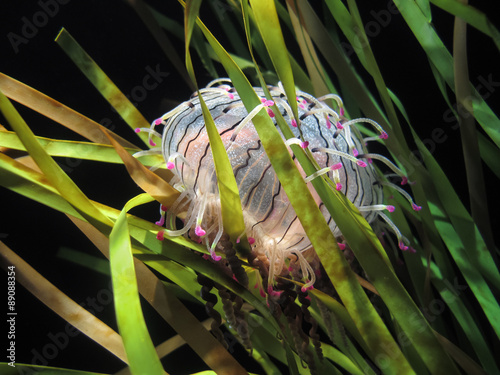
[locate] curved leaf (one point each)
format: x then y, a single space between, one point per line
138 345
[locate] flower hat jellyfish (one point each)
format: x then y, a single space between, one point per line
280 246
274 231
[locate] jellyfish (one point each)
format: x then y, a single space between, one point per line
275 234
279 244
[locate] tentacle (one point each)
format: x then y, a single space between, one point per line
403 193
387 162
211 300
403 242
342 154
250 116
305 301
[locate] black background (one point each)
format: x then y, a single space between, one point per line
112 33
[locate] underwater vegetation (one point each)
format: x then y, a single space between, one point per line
279 187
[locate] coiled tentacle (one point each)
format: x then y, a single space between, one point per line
211 300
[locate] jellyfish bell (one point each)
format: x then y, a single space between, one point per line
278 239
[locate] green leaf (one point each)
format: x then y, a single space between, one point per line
232 215
61 304
56 111
440 57
102 83
66 187
78 150
490 154
147 180
469 251
468 133
268 23
163 300
472 16
138 345
464 315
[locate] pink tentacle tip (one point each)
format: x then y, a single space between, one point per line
355 152
308 298
341 111
338 186
336 166
402 246
137 130
161 221
383 135
342 246
270 113
304 144
404 180
238 240
294 123
231 96
163 208
151 143
251 240
304 289
267 103
273 292
390 208
170 165
160 235
206 256
361 163
262 293
290 268
215 256
328 125
416 207
158 121
339 125
200 232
